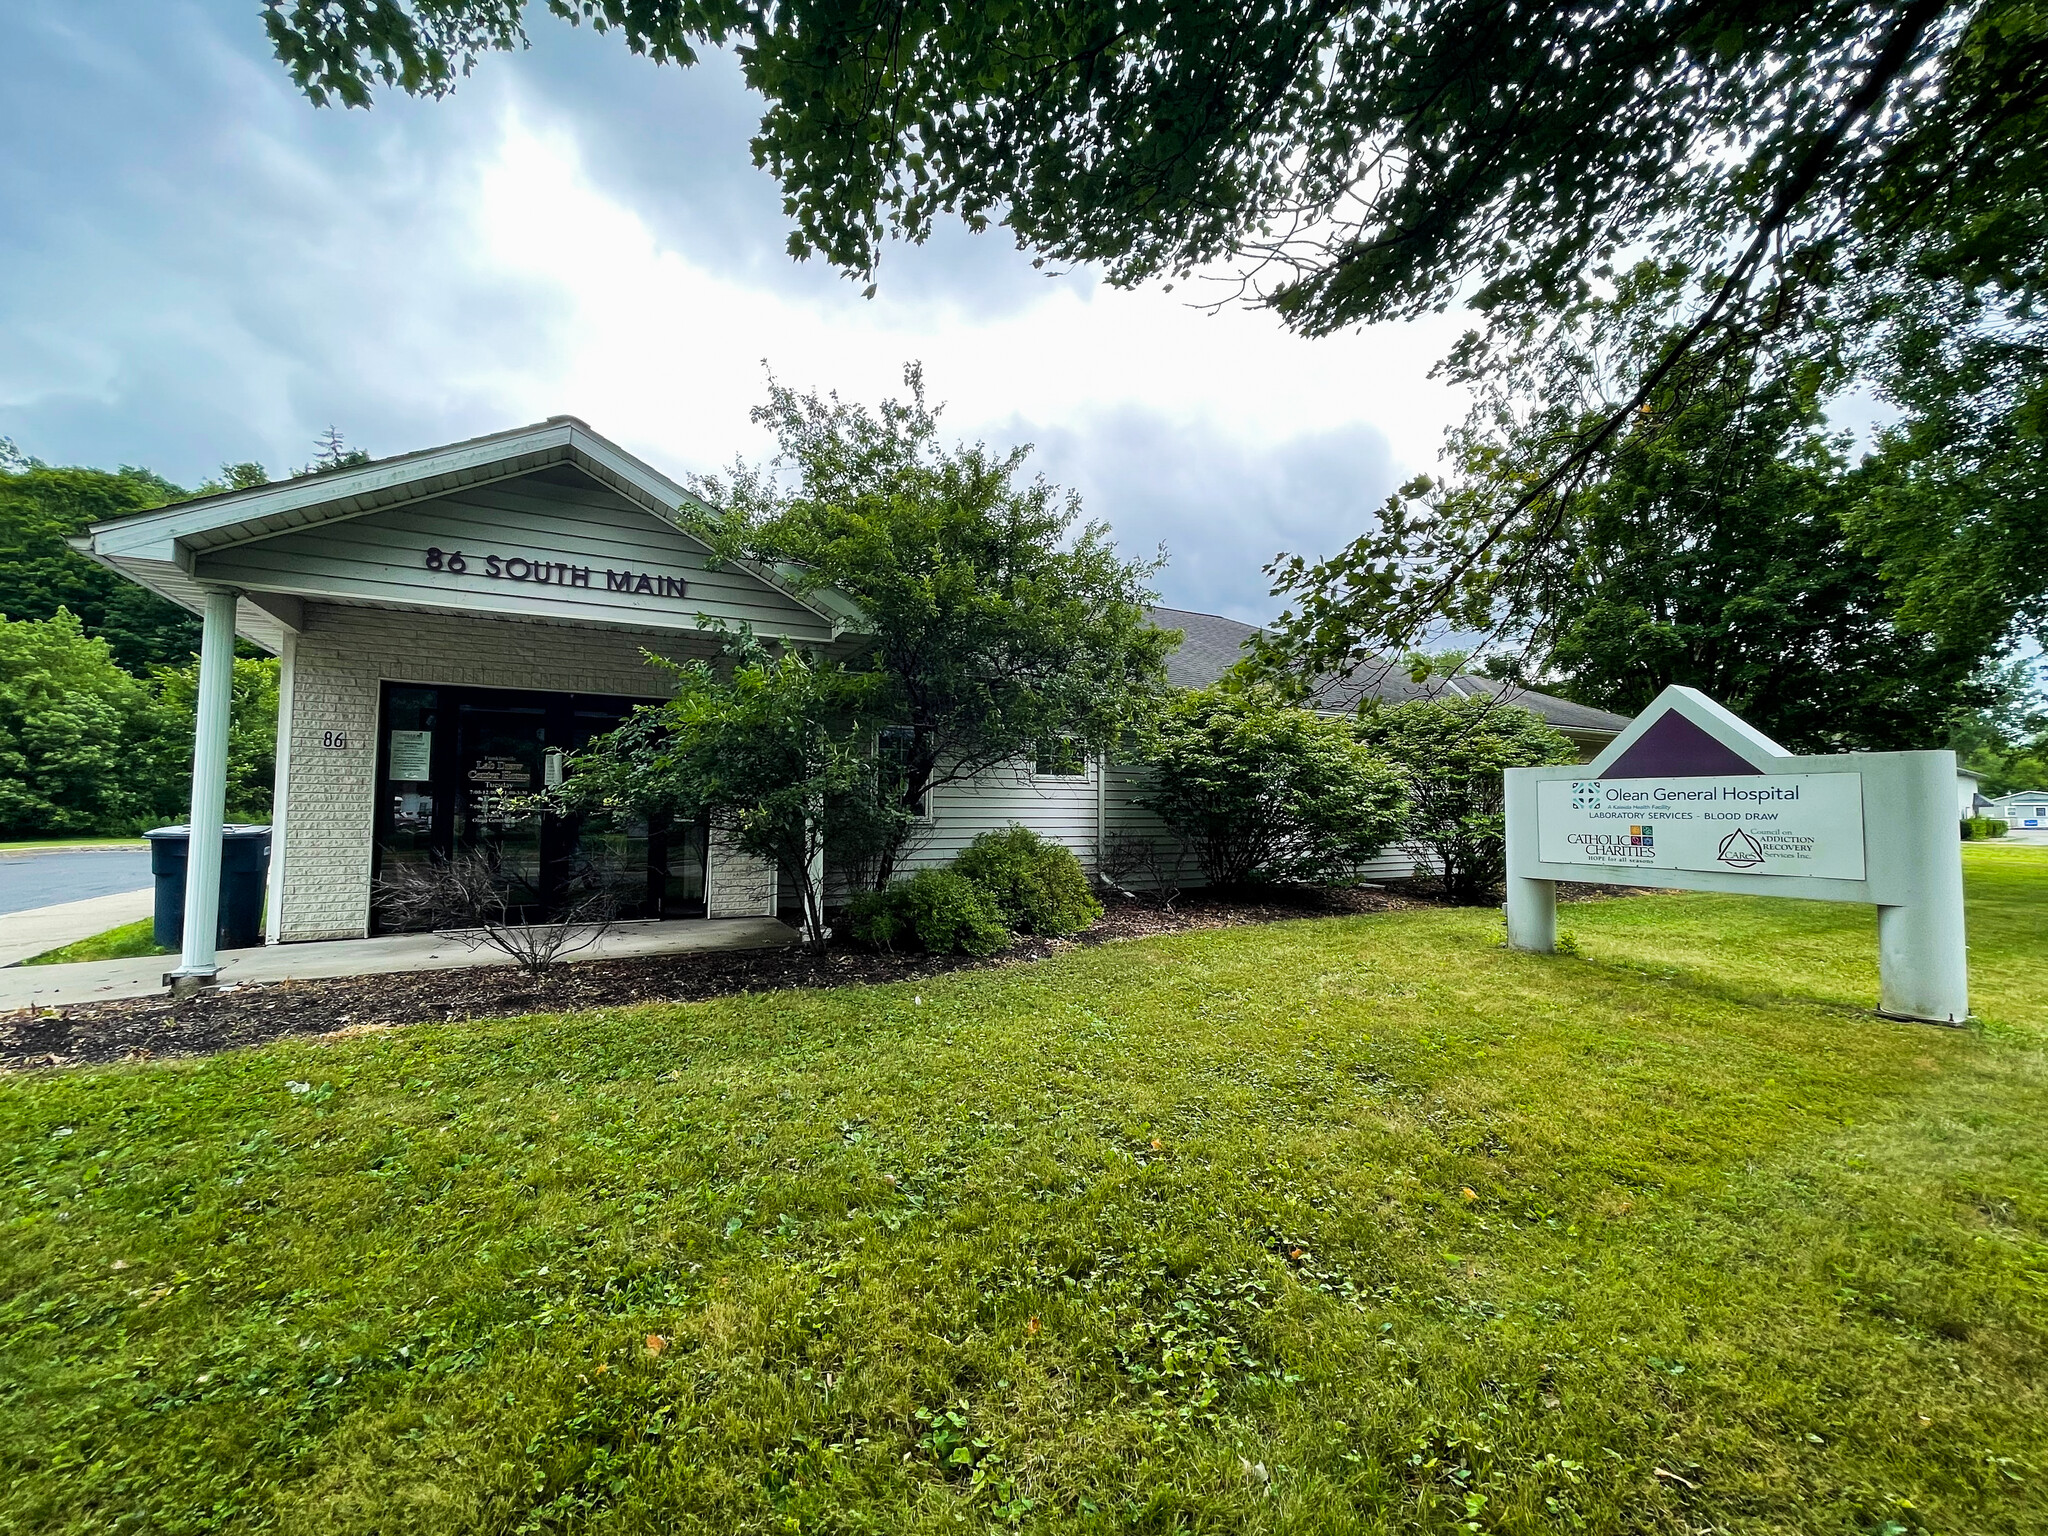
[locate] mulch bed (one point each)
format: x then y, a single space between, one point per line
142 1028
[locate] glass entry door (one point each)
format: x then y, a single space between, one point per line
452 763
500 754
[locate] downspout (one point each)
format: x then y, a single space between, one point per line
1101 808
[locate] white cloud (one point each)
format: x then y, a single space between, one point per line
198 266
1214 432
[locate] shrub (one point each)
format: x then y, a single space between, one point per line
1038 886
936 910
1260 790
1127 857
1983 826
1452 752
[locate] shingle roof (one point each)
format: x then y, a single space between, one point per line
1211 645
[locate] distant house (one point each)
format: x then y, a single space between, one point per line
1970 800
2022 808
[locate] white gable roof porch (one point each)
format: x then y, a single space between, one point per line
554 499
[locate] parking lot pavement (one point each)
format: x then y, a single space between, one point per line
69 874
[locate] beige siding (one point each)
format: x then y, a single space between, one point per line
561 516
1061 809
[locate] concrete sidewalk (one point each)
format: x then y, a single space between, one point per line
50 986
24 935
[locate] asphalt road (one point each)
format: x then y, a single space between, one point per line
69 874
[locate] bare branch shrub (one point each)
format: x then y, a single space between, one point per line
1127 859
473 899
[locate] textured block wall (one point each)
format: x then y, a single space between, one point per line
341 657
736 884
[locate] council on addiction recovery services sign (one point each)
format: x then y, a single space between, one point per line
1807 824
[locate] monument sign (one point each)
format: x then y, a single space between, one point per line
1690 796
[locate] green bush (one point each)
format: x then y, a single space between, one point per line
1452 752
1260 790
1038 886
936 910
1983 826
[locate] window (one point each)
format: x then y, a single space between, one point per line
1060 757
893 746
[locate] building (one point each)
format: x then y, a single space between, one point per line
454 623
1970 799
2023 808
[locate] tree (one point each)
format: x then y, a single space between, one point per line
245 476
1713 548
1263 791
1957 511
86 747
330 452
1350 163
252 737
773 746
997 622
40 508
2006 740
1451 753
69 718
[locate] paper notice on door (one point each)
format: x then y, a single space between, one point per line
412 753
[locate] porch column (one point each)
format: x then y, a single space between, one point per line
198 963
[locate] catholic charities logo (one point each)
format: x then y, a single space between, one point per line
1585 794
1638 841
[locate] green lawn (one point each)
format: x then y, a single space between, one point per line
130 941
1343 1225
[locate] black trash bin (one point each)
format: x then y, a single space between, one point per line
244 867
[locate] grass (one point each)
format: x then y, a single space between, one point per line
1333 1226
130 941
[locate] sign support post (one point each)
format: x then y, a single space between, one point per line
1923 963
1531 900
1689 796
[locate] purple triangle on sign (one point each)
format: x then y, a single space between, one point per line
1675 748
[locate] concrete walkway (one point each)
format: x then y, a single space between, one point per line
48 986
24 935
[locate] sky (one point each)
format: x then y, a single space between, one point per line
197 266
